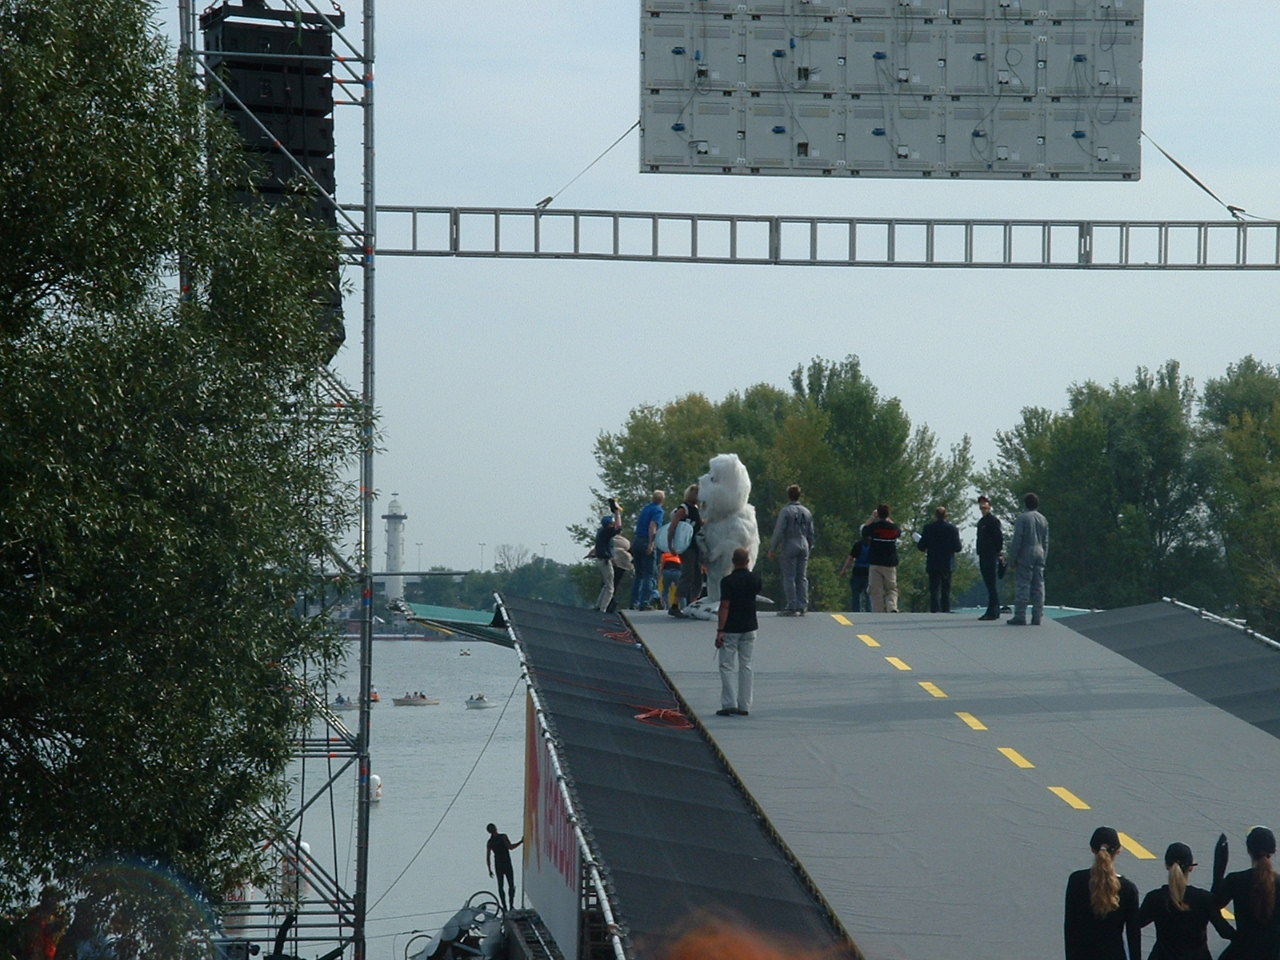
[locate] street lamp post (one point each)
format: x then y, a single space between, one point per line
482 556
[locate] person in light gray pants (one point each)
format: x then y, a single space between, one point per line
793 538
1027 554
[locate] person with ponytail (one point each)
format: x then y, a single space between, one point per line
1181 912
1101 916
1252 894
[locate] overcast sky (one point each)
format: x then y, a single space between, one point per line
494 378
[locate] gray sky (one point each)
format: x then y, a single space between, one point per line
495 377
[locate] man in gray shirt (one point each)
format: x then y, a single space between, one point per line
1027 553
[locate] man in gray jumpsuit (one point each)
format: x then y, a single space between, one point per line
793 537
1027 553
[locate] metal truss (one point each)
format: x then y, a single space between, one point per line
538 233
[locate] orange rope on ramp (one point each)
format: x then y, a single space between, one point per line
666 717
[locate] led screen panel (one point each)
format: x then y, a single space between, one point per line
974 89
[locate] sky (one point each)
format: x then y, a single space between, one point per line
494 378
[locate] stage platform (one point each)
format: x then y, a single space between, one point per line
937 777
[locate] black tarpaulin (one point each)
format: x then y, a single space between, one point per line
1227 667
673 830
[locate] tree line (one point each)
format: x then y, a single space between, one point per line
1152 487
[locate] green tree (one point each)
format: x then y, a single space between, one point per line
1241 416
1122 479
168 477
832 433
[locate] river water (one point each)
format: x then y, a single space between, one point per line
446 772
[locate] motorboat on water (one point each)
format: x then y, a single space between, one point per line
478 701
344 703
415 700
474 931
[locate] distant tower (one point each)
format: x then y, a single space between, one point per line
395 517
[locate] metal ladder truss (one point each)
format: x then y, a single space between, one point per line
534 233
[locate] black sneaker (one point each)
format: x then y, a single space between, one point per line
675 612
740 713
726 712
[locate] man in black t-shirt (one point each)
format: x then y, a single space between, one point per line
882 534
498 853
736 635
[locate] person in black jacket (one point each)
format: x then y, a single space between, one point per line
1101 915
990 547
1181 912
940 541
1252 894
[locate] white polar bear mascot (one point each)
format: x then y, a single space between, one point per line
728 522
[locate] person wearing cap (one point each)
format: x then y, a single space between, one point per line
1181 912
602 552
1101 915
990 547
1252 894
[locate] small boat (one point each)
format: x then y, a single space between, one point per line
479 701
342 703
415 700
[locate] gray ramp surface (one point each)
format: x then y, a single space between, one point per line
939 777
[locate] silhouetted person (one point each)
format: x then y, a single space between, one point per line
498 854
990 548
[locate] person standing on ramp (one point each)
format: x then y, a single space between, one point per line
498 853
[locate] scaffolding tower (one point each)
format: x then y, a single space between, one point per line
298 56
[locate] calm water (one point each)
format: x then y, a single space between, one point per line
446 772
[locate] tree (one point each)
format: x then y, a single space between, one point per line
168 479
848 448
1122 479
1241 418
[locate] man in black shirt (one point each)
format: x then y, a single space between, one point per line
736 635
498 853
990 548
882 534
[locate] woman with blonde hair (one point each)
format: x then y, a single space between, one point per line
1101 915
1252 894
1181 912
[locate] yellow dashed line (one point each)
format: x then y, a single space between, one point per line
1134 847
1070 798
841 619
972 721
898 663
933 689
1016 758
869 641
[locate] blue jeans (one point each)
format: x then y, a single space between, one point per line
644 588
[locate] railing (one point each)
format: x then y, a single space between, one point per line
534 233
